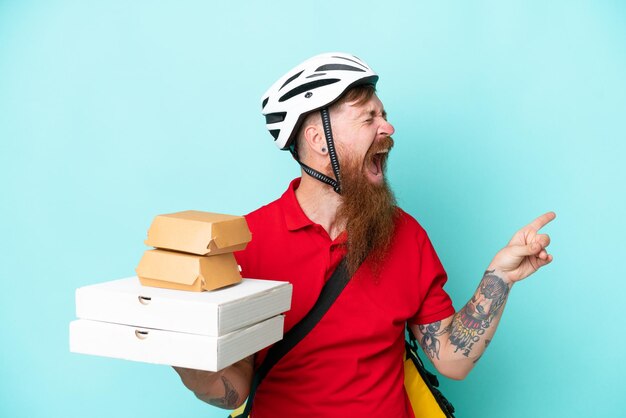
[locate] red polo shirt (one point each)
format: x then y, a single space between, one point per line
350 364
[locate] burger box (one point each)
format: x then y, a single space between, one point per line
205 331
181 271
201 233
213 313
201 352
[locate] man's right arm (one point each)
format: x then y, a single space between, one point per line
226 389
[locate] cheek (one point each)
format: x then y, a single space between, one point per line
353 158
355 148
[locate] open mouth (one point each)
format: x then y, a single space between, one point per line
377 161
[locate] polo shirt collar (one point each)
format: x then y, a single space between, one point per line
294 215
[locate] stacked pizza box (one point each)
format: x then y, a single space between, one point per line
188 305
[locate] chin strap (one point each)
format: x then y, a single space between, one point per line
334 162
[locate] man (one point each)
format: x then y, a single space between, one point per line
326 112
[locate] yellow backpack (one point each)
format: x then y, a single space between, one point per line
421 385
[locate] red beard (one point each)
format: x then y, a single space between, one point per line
368 210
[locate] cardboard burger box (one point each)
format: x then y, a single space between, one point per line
174 270
201 330
200 233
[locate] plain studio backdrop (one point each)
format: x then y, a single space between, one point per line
112 112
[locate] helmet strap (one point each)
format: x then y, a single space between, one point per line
334 162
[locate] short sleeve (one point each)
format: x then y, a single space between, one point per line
436 303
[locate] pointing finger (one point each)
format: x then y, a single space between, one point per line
541 221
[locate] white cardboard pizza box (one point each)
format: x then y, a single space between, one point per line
212 313
180 349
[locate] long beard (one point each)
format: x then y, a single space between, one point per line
368 210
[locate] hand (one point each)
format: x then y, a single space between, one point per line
198 381
525 253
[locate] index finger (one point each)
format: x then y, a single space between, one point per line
541 221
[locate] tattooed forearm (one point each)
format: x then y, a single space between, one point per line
230 398
469 324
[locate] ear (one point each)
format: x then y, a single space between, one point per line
315 139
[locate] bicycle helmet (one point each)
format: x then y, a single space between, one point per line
316 83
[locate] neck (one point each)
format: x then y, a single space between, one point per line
320 203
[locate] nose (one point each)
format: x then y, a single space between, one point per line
386 128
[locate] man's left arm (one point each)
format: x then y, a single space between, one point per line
455 344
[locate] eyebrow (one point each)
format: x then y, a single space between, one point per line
373 113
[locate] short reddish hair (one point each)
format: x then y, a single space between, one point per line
358 94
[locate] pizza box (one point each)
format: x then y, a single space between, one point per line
171 348
213 313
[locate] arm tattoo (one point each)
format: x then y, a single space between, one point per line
429 342
229 400
486 345
471 322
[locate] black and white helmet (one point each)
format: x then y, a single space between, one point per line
312 85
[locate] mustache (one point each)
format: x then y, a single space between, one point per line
378 146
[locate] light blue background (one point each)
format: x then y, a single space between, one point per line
114 111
